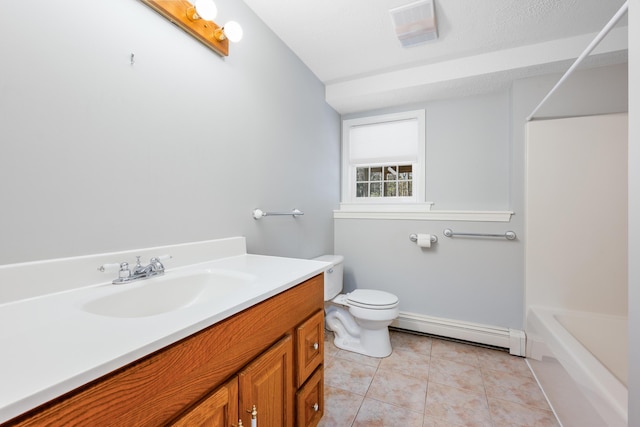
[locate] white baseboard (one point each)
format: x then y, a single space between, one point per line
513 339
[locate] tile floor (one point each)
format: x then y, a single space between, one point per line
428 382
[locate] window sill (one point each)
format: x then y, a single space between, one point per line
420 212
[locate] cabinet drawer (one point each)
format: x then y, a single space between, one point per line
309 346
310 401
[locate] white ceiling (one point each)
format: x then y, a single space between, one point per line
483 45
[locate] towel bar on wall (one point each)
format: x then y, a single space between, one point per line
509 235
259 213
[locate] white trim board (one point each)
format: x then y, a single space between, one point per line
478 216
513 339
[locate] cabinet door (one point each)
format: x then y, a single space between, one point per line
310 401
309 346
219 409
267 383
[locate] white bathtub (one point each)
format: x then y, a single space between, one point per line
580 360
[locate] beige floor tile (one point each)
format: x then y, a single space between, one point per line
348 375
502 361
514 388
398 389
452 384
435 422
407 362
329 347
416 343
374 413
456 374
457 407
340 407
455 351
328 359
509 414
359 358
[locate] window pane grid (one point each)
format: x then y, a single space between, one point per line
384 181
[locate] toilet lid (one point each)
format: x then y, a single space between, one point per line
370 298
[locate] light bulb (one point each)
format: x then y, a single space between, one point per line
233 31
206 9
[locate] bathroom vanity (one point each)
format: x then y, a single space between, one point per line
225 359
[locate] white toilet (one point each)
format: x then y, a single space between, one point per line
364 327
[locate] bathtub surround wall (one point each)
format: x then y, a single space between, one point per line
634 210
100 154
475 161
576 185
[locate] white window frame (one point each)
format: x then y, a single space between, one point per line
387 204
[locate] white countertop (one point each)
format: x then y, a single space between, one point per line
50 345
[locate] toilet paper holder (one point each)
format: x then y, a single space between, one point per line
414 238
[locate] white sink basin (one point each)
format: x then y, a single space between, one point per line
169 292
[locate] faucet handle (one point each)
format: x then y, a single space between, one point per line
157 260
157 264
109 267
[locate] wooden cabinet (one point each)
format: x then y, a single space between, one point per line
219 409
191 382
267 383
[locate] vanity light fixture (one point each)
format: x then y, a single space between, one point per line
202 9
196 18
231 30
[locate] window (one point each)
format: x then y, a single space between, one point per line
383 159
384 181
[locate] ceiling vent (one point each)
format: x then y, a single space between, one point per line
415 23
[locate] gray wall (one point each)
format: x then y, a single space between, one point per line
475 161
101 155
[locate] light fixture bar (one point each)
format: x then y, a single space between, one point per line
202 30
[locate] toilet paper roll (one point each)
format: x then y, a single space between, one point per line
424 240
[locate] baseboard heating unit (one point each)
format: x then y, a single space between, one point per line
512 339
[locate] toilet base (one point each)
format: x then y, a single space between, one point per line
350 336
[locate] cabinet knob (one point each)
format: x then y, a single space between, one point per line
238 425
315 346
316 407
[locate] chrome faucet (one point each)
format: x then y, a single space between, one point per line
125 275
154 268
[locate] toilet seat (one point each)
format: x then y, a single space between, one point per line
371 299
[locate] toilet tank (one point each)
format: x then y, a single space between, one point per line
332 275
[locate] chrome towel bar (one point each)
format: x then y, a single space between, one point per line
509 235
259 213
